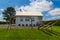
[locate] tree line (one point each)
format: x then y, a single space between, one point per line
56 24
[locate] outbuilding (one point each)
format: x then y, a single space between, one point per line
27 19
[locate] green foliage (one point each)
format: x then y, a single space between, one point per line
8 13
3 22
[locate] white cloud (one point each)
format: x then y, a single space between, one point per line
54 12
1 9
53 18
40 6
37 6
1 16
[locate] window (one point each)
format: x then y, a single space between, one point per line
21 19
26 24
27 19
34 25
19 25
30 24
37 24
33 19
22 24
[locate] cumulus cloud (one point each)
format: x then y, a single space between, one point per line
41 6
37 6
1 9
54 12
53 18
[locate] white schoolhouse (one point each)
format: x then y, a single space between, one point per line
27 19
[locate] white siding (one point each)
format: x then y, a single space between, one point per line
26 22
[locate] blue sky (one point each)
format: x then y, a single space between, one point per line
51 12
13 3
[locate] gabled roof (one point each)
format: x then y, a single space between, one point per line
28 13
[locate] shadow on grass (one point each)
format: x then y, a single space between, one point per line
50 32
44 31
53 32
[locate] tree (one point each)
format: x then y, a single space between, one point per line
9 14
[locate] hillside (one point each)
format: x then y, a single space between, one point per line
52 21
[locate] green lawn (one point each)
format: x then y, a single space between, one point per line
30 34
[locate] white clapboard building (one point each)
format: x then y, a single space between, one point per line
26 19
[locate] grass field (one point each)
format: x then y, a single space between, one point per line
30 34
